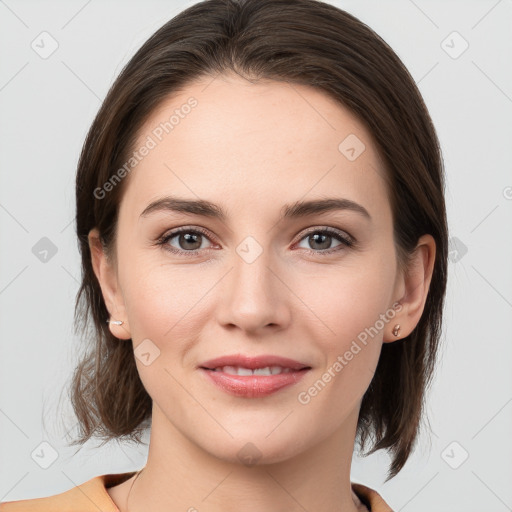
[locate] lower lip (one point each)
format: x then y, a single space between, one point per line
254 386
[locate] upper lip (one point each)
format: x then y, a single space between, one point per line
262 361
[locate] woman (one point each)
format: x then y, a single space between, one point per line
289 146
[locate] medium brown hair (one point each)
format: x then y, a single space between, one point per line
300 42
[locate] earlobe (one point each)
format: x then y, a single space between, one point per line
416 283
107 279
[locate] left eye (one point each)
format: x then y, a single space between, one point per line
323 238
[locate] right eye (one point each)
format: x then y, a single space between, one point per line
188 241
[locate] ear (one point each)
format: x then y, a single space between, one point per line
413 286
107 277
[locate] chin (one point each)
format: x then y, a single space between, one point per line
256 450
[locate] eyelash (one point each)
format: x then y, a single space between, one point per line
348 242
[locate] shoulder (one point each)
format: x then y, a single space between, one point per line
90 496
371 498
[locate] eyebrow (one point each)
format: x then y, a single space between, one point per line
298 209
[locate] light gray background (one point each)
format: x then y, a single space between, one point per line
47 106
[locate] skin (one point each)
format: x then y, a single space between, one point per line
251 148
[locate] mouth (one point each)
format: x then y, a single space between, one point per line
244 372
252 377
268 363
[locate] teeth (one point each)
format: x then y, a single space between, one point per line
269 370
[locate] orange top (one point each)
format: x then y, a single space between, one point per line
92 496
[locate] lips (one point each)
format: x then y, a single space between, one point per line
253 377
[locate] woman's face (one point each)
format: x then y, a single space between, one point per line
256 282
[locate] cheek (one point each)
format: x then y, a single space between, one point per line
351 355
166 304
159 297
349 301
163 306
351 312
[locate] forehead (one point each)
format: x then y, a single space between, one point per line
236 143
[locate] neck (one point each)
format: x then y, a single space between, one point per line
179 476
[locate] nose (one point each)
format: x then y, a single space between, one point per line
253 296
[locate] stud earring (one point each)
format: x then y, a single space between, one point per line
115 322
396 330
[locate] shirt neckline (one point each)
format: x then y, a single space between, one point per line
113 479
